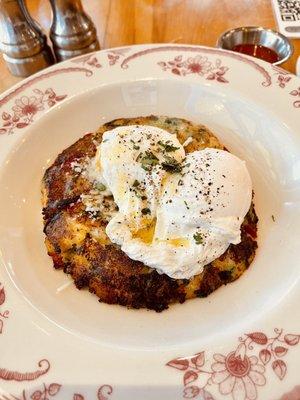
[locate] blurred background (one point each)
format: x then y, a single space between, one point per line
124 22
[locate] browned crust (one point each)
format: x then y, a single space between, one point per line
102 266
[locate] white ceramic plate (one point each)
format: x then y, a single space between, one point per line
240 343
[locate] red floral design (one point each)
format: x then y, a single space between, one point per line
296 93
78 396
283 76
104 392
3 314
25 108
282 80
89 59
17 376
114 55
47 392
240 372
203 50
40 77
199 65
112 58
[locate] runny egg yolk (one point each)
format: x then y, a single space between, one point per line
178 242
146 234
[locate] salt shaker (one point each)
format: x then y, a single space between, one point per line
22 42
72 31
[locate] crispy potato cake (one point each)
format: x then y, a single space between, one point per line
77 242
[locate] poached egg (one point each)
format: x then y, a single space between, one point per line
176 212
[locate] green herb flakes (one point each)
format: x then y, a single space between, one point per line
171 165
149 160
100 187
167 147
198 238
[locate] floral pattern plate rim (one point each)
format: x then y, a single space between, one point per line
255 359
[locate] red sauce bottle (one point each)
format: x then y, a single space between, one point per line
258 51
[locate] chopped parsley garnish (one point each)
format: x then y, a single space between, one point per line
171 165
136 183
149 160
167 147
146 211
198 238
100 187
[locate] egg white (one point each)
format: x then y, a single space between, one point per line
175 222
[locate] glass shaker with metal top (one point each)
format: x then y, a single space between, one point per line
72 31
22 42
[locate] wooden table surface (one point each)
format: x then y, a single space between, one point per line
123 22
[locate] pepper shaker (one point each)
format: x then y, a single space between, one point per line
72 31
22 42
